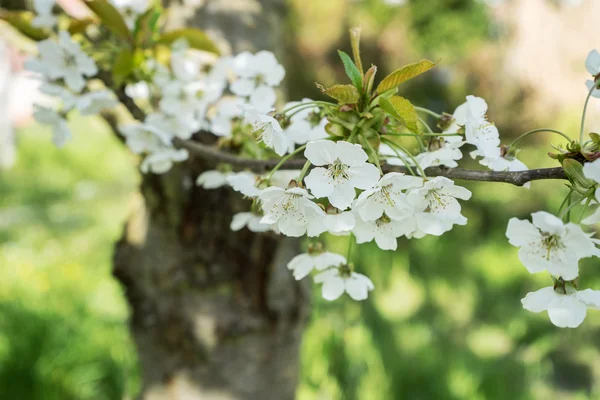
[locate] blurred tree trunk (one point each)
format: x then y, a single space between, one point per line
215 313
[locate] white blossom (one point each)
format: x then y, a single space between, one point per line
565 310
181 126
292 210
302 128
591 170
245 182
439 196
161 161
225 111
445 155
250 220
141 138
336 281
384 230
592 64
257 75
388 197
270 131
478 131
303 264
212 179
61 133
63 59
548 244
44 17
346 168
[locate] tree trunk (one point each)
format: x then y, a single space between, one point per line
215 313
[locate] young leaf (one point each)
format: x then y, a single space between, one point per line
21 21
344 94
355 41
124 65
110 17
403 74
196 38
79 25
146 26
351 70
403 110
369 79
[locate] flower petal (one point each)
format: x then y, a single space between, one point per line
567 311
538 301
321 152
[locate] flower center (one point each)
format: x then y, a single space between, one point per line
437 201
345 271
338 170
70 60
383 220
551 242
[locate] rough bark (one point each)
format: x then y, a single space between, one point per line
215 313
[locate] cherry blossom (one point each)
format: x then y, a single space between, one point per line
61 133
336 281
592 64
478 131
161 161
550 245
244 182
387 196
439 196
384 230
292 210
346 169
44 17
567 309
303 264
63 59
212 179
270 132
250 220
141 138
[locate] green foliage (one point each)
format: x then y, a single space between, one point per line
403 110
21 21
110 17
196 38
344 94
351 70
63 332
404 74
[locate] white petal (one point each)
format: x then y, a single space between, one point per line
328 259
567 311
321 152
591 170
591 298
211 179
342 222
240 220
358 286
592 62
319 182
538 301
351 154
364 176
548 223
333 288
592 219
521 232
243 87
302 265
342 195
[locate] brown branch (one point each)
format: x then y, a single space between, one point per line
213 154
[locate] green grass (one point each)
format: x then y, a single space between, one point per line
63 332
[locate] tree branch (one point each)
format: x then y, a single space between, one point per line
213 154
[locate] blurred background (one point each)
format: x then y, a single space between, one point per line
445 320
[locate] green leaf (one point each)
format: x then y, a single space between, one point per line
79 25
355 42
403 110
351 70
21 21
403 74
123 66
574 171
196 38
344 94
369 79
110 17
146 26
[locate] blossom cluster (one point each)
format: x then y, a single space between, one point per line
342 190
546 243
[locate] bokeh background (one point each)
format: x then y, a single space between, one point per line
445 320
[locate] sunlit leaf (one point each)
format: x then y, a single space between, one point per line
123 66
21 21
196 38
345 94
110 17
404 74
146 26
79 25
403 110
